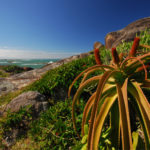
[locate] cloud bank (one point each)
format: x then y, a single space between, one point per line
26 54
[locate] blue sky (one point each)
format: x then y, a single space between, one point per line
60 28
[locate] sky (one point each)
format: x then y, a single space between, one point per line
62 28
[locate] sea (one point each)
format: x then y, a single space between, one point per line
33 63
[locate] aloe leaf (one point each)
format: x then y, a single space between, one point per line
84 147
99 90
135 139
87 108
146 139
145 84
145 46
145 58
86 129
107 90
98 67
77 95
89 73
115 125
100 120
143 104
112 90
84 139
131 69
124 116
143 101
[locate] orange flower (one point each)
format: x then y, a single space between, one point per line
134 46
97 56
115 56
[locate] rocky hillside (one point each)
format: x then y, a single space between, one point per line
126 34
20 80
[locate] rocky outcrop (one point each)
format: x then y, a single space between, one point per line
127 34
37 103
34 99
20 80
97 45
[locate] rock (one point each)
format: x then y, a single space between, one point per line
38 104
97 45
6 86
36 100
126 34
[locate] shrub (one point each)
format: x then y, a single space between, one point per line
54 128
13 69
61 77
14 120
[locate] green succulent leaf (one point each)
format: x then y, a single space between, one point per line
86 129
97 129
143 110
135 139
124 116
77 95
84 147
84 139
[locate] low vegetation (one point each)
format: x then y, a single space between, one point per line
8 70
54 128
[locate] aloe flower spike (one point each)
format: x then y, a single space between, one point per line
97 56
134 46
115 56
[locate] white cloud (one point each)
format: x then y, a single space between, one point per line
26 54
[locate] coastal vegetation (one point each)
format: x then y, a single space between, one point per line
53 129
8 70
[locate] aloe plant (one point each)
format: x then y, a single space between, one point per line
111 97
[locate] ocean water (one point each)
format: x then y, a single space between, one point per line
34 63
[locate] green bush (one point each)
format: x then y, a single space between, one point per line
54 128
61 77
13 69
14 120
3 74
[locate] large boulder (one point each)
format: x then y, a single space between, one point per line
34 99
127 34
37 102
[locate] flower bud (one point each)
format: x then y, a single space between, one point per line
97 57
134 46
115 56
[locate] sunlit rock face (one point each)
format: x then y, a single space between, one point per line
34 99
127 34
98 45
